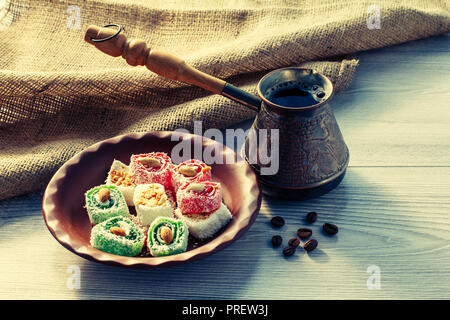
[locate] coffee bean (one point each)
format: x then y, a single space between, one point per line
277 241
310 245
304 233
277 222
311 217
294 242
289 251
330 228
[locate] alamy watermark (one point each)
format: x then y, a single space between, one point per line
262 146
374 20
74 280
374 280
6 14
74 18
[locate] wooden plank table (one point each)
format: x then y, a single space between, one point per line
393 211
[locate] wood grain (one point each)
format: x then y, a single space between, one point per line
395 218
392 209
396 112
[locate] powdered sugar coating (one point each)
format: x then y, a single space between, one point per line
130 244
151 201
178 244
203 173
118 175
199 202
143 174
204 227
100 211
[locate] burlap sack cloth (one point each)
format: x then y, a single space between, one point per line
59 95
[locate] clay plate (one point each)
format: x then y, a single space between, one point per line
67 219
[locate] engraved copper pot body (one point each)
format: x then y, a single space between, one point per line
312 154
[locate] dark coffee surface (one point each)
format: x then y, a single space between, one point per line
294 94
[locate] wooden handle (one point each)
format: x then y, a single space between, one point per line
137 53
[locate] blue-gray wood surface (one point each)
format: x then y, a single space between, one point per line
393 211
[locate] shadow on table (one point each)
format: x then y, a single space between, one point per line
331 207
328 206
223 275
24 212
